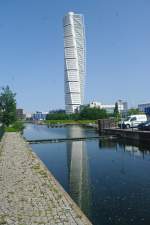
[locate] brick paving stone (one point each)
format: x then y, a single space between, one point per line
29 194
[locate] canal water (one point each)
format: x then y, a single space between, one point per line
108 179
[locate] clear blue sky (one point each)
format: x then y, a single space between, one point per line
118 50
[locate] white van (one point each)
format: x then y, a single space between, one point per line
133 121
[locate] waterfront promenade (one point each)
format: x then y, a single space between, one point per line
29 194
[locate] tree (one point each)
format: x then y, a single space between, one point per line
7 106
116 113
134 111
57 116
88 113
116 110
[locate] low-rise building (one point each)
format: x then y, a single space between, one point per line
145 107
20 115
39 115
122 106
28 115
109 108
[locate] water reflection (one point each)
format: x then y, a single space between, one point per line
108 178
78 171
135 148
123 184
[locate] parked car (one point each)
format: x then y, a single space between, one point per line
144 126
133 121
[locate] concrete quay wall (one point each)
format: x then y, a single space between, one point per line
29 193
128 134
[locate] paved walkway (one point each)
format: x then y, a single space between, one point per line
29 194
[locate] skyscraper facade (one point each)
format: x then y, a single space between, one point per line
75 61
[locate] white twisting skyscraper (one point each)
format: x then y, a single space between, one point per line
75 60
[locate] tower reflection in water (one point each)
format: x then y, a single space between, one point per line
78 171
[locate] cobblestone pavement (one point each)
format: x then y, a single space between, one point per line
29 194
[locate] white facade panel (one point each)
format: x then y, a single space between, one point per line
66 20
72 87
71 64
68 42
68 30
73 98
70 53
71 76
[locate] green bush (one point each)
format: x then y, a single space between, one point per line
57 116
69 121
15 127
134 111
88 113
